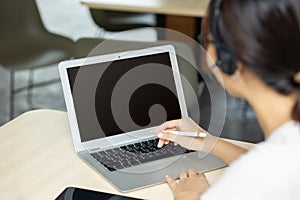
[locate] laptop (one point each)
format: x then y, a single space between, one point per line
114 101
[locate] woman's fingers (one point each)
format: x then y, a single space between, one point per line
180 124
160 143
186 142
192 172
202 175
174 124
182 174
192 184
171 182
166 136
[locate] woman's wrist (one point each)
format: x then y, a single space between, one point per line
208 143
227 151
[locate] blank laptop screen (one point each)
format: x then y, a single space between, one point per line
125 95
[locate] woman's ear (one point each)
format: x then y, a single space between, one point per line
297 77
235 83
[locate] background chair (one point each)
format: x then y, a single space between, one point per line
186 61
25 44
119 21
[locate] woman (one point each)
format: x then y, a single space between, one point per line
259 40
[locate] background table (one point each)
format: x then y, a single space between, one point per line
191 8
37 161
181 15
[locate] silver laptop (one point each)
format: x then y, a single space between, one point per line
114 101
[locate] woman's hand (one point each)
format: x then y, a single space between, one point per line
185 124
189 186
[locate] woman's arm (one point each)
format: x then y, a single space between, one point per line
227 151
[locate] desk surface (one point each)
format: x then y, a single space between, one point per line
191 8
37 161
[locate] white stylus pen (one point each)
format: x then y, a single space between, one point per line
185 133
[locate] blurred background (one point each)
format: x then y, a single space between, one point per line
73 21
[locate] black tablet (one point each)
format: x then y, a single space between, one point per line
72 193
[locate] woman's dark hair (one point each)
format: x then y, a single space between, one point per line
265 36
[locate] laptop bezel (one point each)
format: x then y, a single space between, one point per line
63 66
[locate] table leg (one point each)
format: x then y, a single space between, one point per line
161 23
197 29
197 32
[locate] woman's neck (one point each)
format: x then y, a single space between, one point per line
272 108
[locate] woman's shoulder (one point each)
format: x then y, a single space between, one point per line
287 132
282 145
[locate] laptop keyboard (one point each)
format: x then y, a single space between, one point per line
137 153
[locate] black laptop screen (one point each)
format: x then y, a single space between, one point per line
125 95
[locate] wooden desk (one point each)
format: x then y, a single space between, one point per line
189 8
37 161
